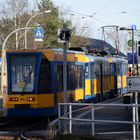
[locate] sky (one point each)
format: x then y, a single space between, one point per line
122 13
90 15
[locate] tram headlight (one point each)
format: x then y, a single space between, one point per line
13 99
31 99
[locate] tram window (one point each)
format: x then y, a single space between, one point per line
98 72
108 70
58 74
126 69
70 77
112 70
75 77
86 71
118 68
121 68
75 80
79 76
23 73
94 71
103 69
44 82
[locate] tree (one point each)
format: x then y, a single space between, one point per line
50 22
14 15
17 16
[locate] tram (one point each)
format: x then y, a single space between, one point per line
32 80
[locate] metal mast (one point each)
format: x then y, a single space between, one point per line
111 36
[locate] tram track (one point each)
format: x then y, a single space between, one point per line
24 135
23 128
6 123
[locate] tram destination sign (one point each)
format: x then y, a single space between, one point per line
133 84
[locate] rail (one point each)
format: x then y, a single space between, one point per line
69 118
52 129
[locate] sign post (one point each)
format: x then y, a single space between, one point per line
64 36
133 28
133 85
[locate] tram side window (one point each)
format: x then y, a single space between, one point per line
58 74
80 81
121 68
108 70
118 68
44 82
74 77
124 68
86 71
103 70
71 77
97 71
112 69
94 71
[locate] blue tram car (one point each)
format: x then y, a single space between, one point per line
32 80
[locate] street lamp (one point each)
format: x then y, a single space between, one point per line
132 30
135 94
45 12
19 29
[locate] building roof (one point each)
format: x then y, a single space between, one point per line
102 45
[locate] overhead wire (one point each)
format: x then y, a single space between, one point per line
121 12
100 9
84 15
74 13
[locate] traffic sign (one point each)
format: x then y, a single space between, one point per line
133 27
133 84
39 34
130 43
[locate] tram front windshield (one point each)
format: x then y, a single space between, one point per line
23 73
